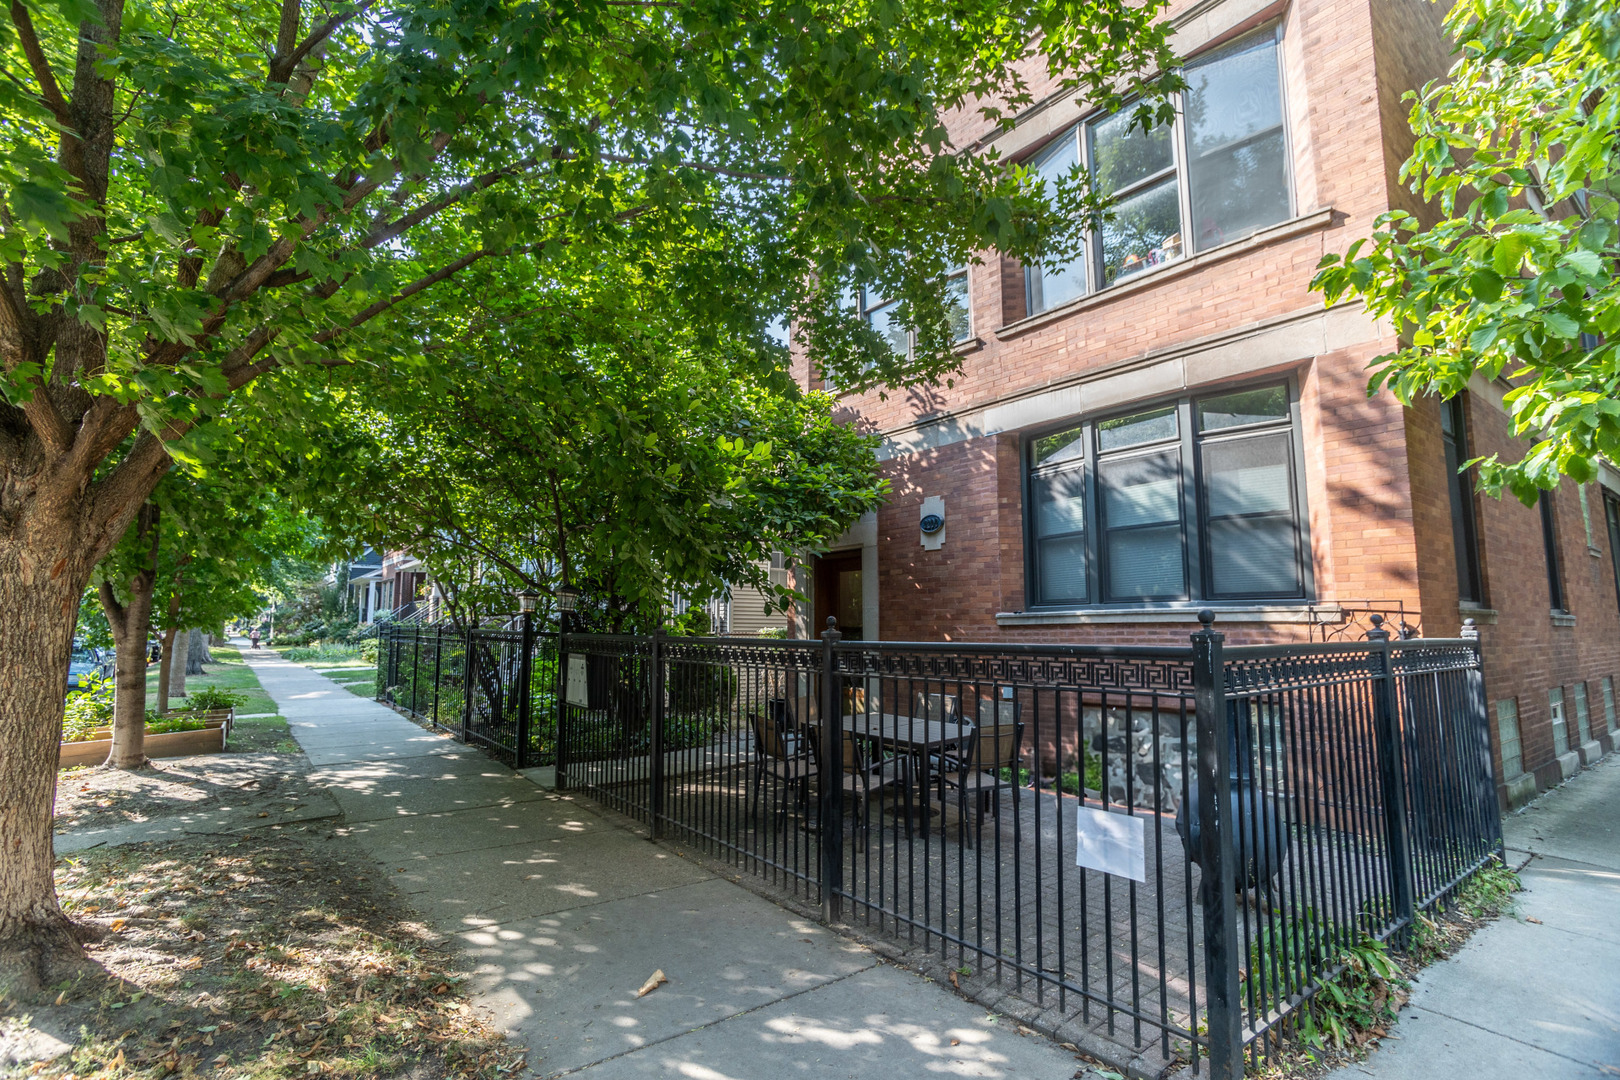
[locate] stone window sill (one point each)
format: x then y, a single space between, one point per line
1317 219
1245 613
1562 618
1480 614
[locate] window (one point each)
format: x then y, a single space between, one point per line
1549 545
1219 173
883 314
1583 716
1560 726
1608 703
1507 735
958 305
1464 535
1193 499
1611 514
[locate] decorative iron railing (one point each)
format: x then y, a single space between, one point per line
1170 847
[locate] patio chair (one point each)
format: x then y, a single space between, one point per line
945 708
991 750
778 752
865 780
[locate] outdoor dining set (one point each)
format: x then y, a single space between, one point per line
932 762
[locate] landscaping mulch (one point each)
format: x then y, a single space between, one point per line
279 954
96 796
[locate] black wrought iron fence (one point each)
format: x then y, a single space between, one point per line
492 688
1172 845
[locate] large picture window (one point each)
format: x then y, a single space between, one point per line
1196 499
1219 173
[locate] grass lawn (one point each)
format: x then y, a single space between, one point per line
255 735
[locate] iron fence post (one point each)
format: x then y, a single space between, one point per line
1479 710
561 703
525 677
416 666
468 660
656 796
1217 859
438 659
1391 775
832 770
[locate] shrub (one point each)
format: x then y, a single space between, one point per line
164 725
701 688
89 709
210 697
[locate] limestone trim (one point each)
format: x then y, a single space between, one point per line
1158 275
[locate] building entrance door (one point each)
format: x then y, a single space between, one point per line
838 593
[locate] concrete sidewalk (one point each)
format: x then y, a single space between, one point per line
563 915
1536 994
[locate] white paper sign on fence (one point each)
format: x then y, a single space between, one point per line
578 694
1112 843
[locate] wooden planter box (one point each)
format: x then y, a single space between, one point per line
208 740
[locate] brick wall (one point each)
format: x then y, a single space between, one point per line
1526 650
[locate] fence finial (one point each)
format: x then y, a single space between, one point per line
832 622
1207 617
1377 633
1470 629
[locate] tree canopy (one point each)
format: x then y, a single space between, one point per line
583 426
1518 150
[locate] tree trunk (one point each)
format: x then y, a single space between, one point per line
131 626
166 664
41 581
197 652
177 668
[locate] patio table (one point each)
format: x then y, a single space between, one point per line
910 735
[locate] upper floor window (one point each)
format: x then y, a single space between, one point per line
1193 499
1549 546
1218 174
883 314
1464 531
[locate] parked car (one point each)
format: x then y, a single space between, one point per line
84 663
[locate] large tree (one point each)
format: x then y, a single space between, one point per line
581 425
1519 152
198 193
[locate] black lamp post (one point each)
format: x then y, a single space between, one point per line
567 604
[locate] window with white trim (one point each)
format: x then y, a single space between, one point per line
883 314
1219 173
1194 499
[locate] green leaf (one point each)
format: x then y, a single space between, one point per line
1486 285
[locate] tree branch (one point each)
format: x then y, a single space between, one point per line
282 67
50 92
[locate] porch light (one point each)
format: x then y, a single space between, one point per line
527 599
567 599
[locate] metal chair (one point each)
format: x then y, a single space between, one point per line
863 779
941 708
993 749
780 755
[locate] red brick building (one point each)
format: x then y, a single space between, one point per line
1176 422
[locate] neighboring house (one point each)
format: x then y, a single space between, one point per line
1175 422
743 611
394 583
364 576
